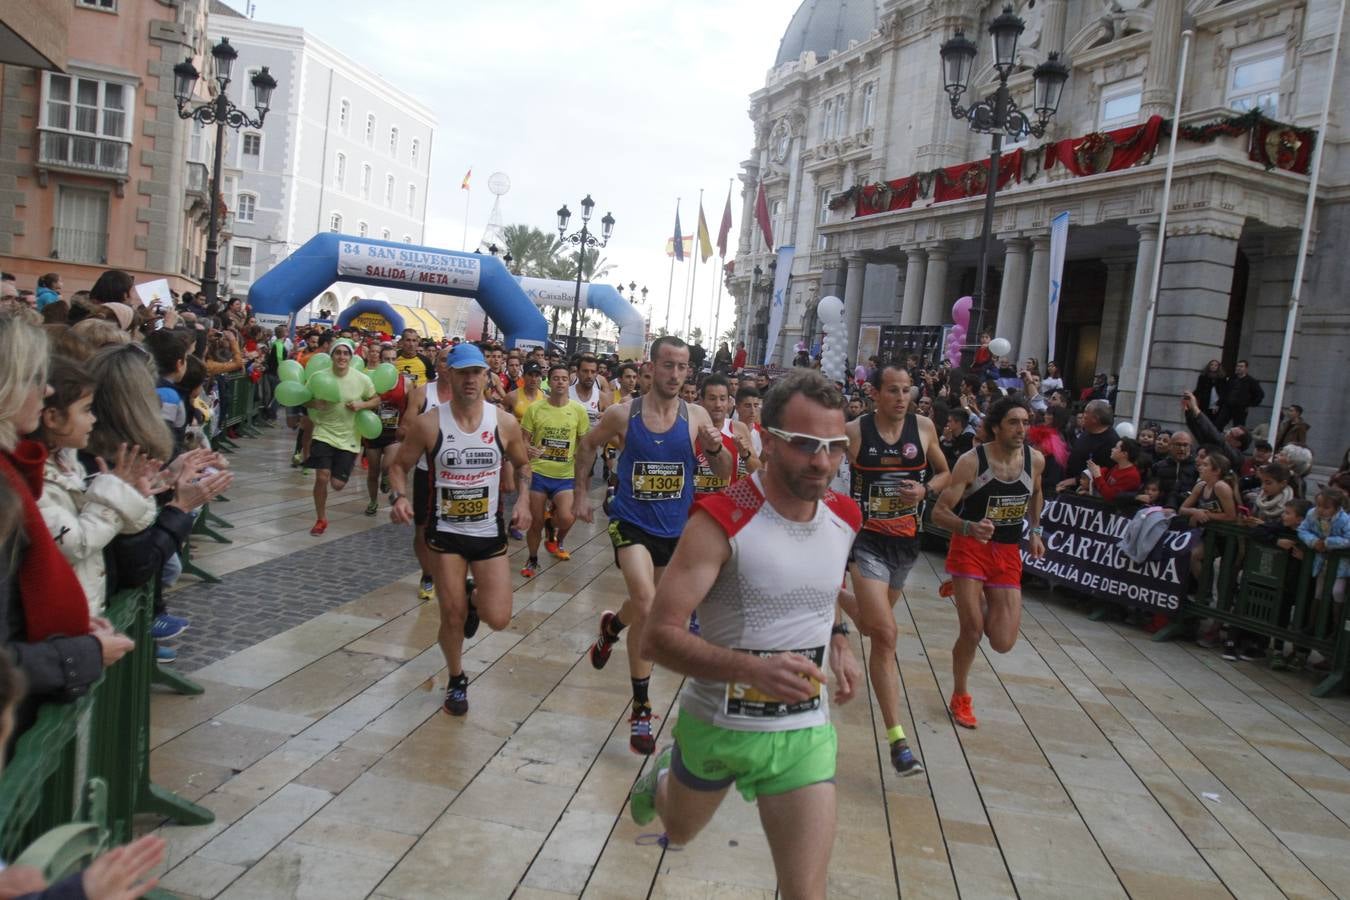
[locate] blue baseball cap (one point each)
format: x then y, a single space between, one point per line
466 356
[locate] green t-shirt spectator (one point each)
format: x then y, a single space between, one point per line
335 425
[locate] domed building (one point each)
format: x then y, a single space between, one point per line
880 190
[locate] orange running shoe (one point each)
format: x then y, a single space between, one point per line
947 588
556 549
962 712
531 568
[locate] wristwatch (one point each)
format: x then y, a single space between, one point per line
395 496
841 628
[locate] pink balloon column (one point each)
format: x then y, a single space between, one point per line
961 313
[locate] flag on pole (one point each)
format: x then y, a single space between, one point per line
687 246
705 249
725 228
464 185
762 217
678 240
1059 242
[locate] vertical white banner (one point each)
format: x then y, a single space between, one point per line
1059 242
781 276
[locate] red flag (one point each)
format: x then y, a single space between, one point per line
762 217
725 228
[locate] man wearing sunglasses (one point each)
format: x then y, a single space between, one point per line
661 436
761 562
896 463
998 488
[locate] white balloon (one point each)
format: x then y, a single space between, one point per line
1000 346
1125 429
830 309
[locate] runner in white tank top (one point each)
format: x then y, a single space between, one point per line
467 441
762 562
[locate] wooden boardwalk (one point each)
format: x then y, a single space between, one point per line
1105 765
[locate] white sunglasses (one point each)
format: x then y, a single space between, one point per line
810 444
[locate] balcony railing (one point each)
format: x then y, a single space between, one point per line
75 245
198 179
84 153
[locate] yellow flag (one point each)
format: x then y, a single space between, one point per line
705 247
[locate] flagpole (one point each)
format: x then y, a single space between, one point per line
693 270
670 288
717 307
464 240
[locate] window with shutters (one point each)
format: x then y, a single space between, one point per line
241 263
335 222
251 150
869 110
365 182
245 208
393 142
340 171
370 130
344 116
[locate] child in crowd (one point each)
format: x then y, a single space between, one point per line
1151 495
1327 527
84 514
1268 503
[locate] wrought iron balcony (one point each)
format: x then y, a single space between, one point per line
83 153
76 245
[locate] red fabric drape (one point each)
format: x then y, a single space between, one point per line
903 192
972 179
1111 151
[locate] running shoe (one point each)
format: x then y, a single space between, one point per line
947 588
426 589
365 461
1230 651
1251 653
531 568
642 799
319 527
640 737
457 695
167 627
963 713
306 471
372 507
604 643
165 655
516 534
558 552
903 759
471 620
296 459
549 533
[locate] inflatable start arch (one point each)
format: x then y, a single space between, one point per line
602 298
327 258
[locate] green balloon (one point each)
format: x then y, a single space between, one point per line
324 385
368 425
293 393
358 364
384 377
318 362
291 370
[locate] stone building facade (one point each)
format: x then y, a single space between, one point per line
94 166
856 98
342 150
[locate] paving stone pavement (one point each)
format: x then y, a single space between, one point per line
255 603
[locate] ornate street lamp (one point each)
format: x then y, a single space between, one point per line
999 114
583 240
220 112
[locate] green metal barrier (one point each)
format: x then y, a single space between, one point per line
1263 589
87 763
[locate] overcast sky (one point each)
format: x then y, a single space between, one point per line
634 103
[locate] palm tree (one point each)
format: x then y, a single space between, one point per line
533 252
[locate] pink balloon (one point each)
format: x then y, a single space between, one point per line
958 332
961 312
